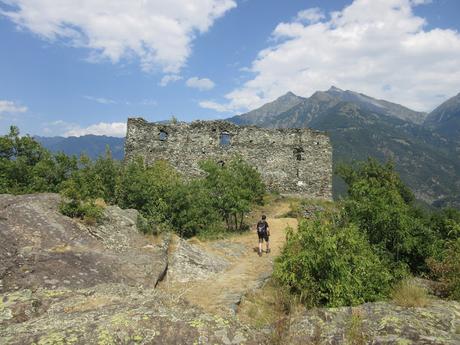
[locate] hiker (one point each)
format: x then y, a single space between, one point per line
264 233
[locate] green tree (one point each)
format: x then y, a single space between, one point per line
149 189
27 167
233 187
382 206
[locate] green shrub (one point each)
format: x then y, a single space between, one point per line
447 270
329 263
144 226
88 210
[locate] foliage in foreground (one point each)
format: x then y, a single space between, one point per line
328 262
373 238
383 208
447 270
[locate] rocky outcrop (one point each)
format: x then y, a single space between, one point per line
112 314
378 323
41 248
64 282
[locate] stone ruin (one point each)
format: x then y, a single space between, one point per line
292 161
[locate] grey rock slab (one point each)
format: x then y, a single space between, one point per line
190 263
40 247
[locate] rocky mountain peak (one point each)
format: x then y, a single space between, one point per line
334 89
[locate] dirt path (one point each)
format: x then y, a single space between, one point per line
247 271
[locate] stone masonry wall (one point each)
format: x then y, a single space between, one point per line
291 161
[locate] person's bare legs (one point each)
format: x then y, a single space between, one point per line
260 247
268 247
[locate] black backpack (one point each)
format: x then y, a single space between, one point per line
261 228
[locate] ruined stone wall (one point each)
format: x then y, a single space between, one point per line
291 161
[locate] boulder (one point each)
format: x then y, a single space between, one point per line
41 248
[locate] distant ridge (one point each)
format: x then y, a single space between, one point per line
446 118
92 145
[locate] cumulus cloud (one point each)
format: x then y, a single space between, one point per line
377 47
200 83
114 129
170 78
159 33
11 108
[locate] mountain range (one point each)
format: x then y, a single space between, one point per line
91 145
425 147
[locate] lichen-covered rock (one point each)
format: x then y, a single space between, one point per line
41 248
190 263
112 314
378 323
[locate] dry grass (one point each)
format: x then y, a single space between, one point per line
100 203
269 306
408 294
355 333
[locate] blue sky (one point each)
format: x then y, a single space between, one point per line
77 67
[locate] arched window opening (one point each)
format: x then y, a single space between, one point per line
225 139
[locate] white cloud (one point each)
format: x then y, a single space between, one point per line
114 129
377 47
169 78
200 83
159 33
221 108
10 108
311 15
100 100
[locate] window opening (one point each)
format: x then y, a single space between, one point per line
163 136
225 139
298 153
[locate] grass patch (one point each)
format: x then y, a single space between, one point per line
270 306
355 332
407 294
308 208
266 306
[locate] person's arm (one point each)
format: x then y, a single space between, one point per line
268 230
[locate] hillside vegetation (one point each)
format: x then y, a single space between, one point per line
425 152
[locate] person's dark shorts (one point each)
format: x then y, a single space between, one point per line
263 236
